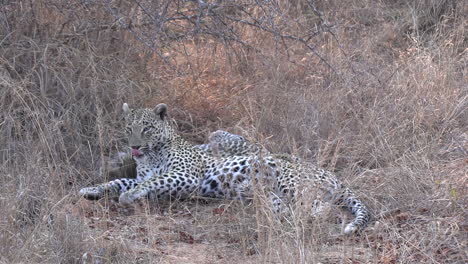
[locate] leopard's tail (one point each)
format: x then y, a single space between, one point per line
361 214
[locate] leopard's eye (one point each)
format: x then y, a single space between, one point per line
147 129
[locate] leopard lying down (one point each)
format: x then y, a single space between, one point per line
227 167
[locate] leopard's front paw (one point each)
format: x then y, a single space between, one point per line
92 193
126 198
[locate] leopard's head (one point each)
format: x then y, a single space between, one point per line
147 129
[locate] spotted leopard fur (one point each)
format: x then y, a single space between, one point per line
168 166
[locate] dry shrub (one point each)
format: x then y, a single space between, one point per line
373 90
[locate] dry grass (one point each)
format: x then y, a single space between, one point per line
389 116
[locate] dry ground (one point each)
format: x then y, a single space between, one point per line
375 91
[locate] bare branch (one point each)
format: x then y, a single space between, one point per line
223 21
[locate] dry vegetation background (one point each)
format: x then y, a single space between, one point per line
374 90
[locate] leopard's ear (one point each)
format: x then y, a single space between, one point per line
126 109
161 110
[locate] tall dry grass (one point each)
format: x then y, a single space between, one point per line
385 106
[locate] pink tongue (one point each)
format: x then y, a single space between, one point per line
137 152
